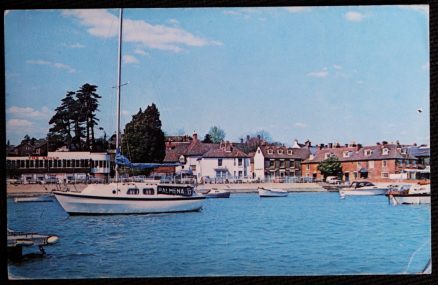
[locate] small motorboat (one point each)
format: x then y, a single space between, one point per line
266 192
217 193
17 240
405 194
362 188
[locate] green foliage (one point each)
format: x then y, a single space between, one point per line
74 120
216 134
207 139
143 139
330 167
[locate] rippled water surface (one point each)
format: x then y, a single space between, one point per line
302 234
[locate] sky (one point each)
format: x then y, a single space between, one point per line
325 74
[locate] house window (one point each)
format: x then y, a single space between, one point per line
385 151
385 174
280 151
289 152
282 163
307 166
368 152
359 165
384 163
240 161
346 154
240 173
270 151
272 163
292 162
371 164
258 151
219 162
407 162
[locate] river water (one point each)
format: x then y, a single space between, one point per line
302 234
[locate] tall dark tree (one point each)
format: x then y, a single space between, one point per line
207 139
88 99
143 139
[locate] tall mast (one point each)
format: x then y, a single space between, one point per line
119 76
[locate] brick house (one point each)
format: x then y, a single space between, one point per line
380 161
272 162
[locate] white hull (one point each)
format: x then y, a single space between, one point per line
413 199
101 200
263 192
363 192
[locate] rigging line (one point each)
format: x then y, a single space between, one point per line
413 254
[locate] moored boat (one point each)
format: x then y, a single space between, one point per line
363 188
129 198
412 195
266 192
217 193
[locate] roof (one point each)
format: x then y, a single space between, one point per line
419 151
226 151
358 153
282 152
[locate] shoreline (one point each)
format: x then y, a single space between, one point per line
14 190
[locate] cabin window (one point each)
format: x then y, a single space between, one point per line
148 191
132 191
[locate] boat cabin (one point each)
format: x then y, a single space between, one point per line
360 184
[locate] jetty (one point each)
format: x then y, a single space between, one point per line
18 240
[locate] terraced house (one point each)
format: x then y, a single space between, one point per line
380 161
279 162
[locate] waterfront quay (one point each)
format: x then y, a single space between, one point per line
14 190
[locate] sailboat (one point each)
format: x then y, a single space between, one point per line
129 198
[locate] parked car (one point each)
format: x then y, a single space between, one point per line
333 180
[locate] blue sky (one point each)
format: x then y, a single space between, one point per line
328 74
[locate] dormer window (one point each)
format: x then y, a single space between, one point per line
289 152
368 152
404 151
270 151
346 154
385 151
280 151
327 155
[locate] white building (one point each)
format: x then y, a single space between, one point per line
64 166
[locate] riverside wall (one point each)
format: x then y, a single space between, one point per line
39 189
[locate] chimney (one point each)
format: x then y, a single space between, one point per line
384 142
359 146
321 146
330 145
377 143
241 140
195 137
308 143
346 145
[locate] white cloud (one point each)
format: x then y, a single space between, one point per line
103 24
300 125
319 74
174 21
354 16
298 9
140 52
53 64
76 45
19 125
129 59
28 112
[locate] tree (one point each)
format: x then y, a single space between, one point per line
216 134
207 139
88 99
330 167
143 139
